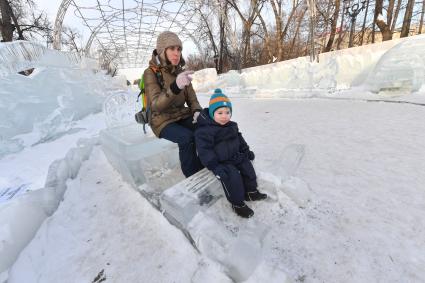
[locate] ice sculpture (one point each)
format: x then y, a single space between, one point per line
400 69
141 158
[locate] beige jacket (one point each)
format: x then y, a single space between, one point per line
167 107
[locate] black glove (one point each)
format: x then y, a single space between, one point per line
250 155
221 172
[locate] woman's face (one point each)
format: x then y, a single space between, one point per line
173 54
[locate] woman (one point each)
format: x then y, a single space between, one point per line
168 87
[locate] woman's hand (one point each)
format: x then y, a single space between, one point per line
184 79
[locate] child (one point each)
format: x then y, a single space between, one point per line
223 150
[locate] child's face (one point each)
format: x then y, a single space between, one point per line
222 115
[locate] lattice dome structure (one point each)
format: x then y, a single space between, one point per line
125 31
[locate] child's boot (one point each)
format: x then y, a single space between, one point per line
243 210
253 196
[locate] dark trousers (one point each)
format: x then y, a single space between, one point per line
181 132
241 179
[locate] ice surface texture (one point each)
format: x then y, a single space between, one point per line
45 105
402 68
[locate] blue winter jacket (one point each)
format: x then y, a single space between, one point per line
219 144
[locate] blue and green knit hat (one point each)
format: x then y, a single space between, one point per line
217 100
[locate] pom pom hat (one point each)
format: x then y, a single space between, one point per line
218 100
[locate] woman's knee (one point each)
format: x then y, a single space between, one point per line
188 139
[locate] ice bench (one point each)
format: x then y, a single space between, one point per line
186 198
141 158
195 205
151 165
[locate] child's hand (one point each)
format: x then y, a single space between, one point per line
221 172
251 155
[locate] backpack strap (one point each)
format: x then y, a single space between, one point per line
157 71
160 80
145 108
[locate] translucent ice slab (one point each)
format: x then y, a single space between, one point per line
138 157
196 193
400 69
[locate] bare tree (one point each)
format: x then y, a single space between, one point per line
212 17
364 21
383 26
222 27
247 21
6 26
206 28
421 22
23 18
333 21
407 18
36 24
395 17
267 39
341 30
294 50
70 40
280 30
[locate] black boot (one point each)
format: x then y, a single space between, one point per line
256 195
243 210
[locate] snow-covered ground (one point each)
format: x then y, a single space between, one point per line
362 173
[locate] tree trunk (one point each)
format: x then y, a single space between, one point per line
297 33
15 21
333 27
210 35
222 41
390 11
385 30
382 25
267 41
254 10
397 11
407 19
364 22
340 30
6 25
291 16
247 47
421 22
277 11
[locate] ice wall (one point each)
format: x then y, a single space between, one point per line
335 70
45 105
21 55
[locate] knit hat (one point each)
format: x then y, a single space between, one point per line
217 100
167 39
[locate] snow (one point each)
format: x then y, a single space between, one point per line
352 211
83 233
363 163
21 216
